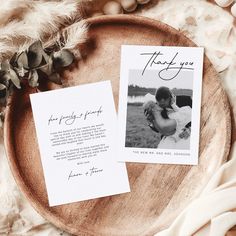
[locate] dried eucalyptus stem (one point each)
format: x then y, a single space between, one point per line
38 59
29 64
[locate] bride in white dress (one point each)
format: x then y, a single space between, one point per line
167 118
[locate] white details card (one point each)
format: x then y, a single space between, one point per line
76 131
159 104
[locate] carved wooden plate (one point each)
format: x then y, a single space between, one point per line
158 192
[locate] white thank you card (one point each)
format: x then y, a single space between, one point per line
159 104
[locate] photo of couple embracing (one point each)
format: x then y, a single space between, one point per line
159 114
164 116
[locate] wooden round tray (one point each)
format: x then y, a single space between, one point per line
158 192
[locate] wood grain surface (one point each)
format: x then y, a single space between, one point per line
158 192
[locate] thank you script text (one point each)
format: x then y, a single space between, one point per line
171 68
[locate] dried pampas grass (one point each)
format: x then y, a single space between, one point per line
70 38
36 20
74 34
13 9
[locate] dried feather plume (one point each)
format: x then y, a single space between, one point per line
70 38
36 20
74 35
35 44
